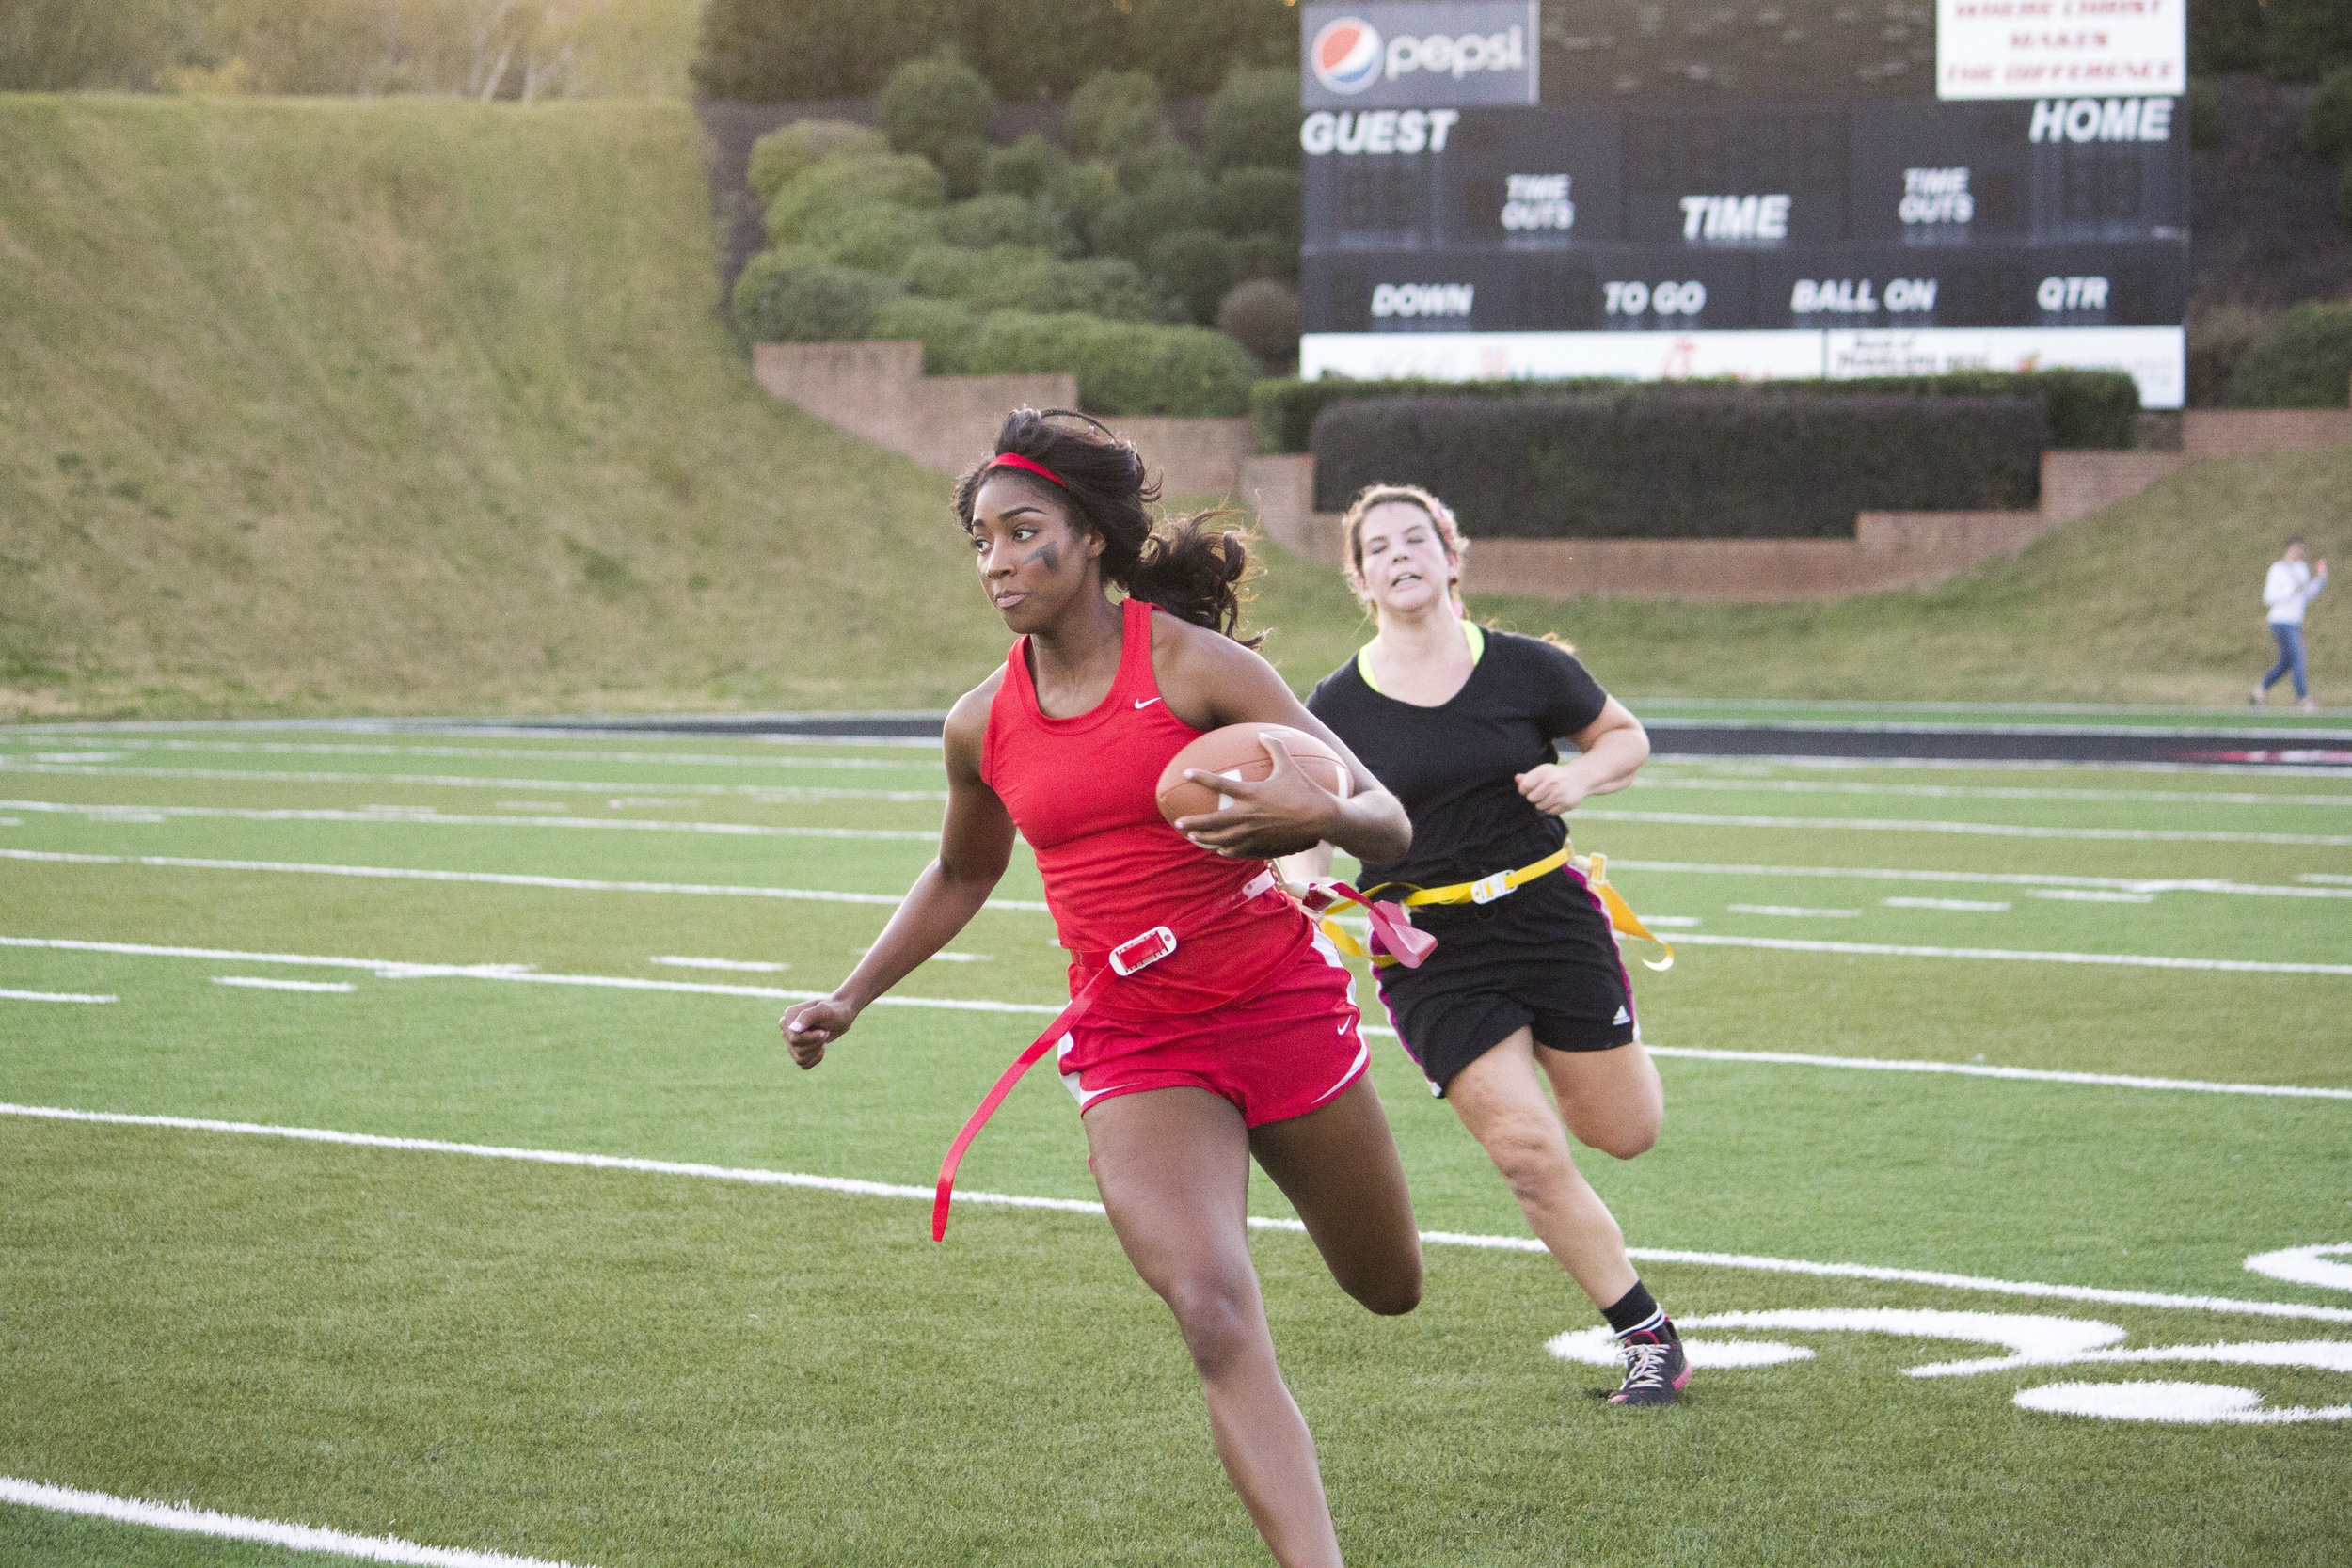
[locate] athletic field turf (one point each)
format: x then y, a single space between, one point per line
2114 1001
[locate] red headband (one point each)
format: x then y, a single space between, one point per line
1014 459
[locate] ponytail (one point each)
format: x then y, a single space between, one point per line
1186 567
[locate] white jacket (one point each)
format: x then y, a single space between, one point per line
2288 591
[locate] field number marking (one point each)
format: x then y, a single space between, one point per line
2032 1341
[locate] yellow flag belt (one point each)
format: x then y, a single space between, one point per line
1594 868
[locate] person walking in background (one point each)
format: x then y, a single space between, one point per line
2287 591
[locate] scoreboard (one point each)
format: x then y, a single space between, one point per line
1459 222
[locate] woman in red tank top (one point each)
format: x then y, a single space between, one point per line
1242 1040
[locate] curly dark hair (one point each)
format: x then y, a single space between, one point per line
1191 570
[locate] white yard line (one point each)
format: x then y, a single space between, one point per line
1439 1238
257 982
522 754
392 969
1979 1070
2126 960
1986 792
187 1519
777 794
55 996
2319 885
395 816
1988 829
495 879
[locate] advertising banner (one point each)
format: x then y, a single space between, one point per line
1418 54
2060 48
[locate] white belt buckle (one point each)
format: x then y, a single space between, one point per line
1487 889
1159 939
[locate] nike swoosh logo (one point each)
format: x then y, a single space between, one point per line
1145 702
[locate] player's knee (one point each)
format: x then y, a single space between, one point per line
1623 1140
1530 1159
1394 1293
1213 1312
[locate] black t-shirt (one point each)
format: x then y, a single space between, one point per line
1453 765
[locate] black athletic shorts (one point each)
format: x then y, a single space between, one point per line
1541 959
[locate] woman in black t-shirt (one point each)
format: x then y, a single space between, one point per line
1458 722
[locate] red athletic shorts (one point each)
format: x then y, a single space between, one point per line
1278 1054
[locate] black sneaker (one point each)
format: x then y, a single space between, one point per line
1655 1367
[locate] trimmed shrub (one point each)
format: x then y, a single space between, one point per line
1115 112
2307 38
1140 167
2328 123
1257 201
963 164
1030 167
1691 463
1253 119
2219 336
1262 316
1004 219
2090 410
2208 118
780 299
945 328
841 185
782 154
2303 361
1106 286
1193 267
957 272
878 239
1122 367
760 51
926 104
1274 255
1083 190
1130 223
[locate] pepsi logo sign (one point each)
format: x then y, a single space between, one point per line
1346 55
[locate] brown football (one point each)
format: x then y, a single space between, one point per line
1234 751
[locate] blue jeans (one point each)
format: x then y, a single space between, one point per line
2290 657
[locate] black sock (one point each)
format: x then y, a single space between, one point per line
1633 1311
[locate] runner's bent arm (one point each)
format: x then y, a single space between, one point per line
1212 681
1612 748
975 845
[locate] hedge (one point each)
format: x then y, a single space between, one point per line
1685 463
760 51
2304 360
2090 410
1122 367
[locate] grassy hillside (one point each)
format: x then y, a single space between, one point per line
424 406
413 405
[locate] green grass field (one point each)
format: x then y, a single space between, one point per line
328 407
638 1367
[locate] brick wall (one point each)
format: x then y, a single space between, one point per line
2207 433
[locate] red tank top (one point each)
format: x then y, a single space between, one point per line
1081 791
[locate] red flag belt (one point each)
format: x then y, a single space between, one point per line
1139 952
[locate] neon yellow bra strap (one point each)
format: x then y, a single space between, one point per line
1472 633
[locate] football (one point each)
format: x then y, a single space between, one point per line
1234 752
